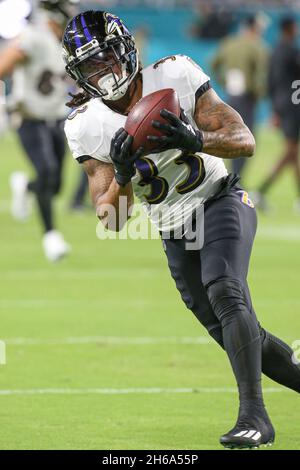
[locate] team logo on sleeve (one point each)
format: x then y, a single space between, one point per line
161 61
76 111
245 199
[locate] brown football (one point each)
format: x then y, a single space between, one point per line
139 120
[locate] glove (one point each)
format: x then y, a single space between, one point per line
120 155
178 133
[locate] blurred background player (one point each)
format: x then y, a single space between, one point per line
284 70
3 114
39 93
239 65
78 199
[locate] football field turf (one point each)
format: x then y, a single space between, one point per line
102 353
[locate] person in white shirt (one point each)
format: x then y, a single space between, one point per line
39 92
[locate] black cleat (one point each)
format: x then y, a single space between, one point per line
249 436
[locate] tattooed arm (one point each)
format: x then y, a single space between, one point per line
225 134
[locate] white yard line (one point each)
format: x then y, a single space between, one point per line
45 303
113 340
282 232
266 232
128 391
113 271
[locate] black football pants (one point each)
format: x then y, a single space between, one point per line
44 144
212 282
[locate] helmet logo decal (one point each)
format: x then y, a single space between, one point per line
114 24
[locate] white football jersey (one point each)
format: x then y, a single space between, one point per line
39 88
170 184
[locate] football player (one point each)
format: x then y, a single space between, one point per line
185 170
39 91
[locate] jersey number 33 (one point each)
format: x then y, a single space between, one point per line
159 186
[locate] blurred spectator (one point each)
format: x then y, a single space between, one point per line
284 70
214 22
240 66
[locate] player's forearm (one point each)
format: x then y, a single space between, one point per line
5 70
224 133
229 142
113 207
9 58
6 67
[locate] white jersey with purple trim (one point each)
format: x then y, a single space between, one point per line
170 184
39 87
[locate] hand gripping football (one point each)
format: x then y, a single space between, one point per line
139 120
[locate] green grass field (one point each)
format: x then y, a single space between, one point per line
108 320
